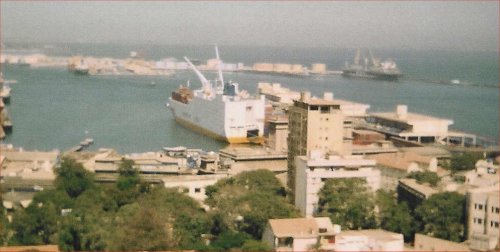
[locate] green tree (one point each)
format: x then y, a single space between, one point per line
394 216
246 201
35 225
229 240
128 175
4 223
73 178
80 234
141 228
254 245
348 202
425 177
464 161
442 215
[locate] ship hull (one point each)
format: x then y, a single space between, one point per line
211 134
371 75
211 119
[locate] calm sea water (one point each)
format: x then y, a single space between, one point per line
54 109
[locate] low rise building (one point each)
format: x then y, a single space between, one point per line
300 234
27 170
368 240
307 234
429 243
410 126
193 185
483 217
413 193
248 158
313 170
395 166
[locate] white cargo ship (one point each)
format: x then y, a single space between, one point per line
219 109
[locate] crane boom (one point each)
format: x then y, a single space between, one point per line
204 82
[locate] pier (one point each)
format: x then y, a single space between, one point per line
83 144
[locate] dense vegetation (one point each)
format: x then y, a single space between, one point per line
425 177
80 215
463 161
349 202
130 215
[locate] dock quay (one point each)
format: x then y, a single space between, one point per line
85 143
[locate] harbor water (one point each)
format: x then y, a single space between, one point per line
52 108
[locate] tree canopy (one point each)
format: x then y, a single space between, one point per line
425 177
73 178
464 161
348 202
443 216
246 201
394 216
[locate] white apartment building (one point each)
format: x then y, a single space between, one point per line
193 185
313 170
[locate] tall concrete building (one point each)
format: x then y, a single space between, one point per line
316 124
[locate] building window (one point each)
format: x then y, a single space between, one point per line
197 190
480 207
326 138
496 224
249 108
479 220
475 207
497 210
285 242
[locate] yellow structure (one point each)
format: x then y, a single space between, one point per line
316 124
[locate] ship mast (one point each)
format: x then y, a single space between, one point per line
219 66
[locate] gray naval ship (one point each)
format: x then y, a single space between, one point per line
372 68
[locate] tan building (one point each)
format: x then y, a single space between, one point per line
429 243
315 124
368 240
318 68
247 158
263 67
300 234
278 133
395 166
483 217
27 170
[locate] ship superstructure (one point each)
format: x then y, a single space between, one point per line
372 68
219 109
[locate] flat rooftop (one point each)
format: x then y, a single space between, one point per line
246 153
378 234
410 118
423 189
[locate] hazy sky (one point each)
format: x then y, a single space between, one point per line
459 25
